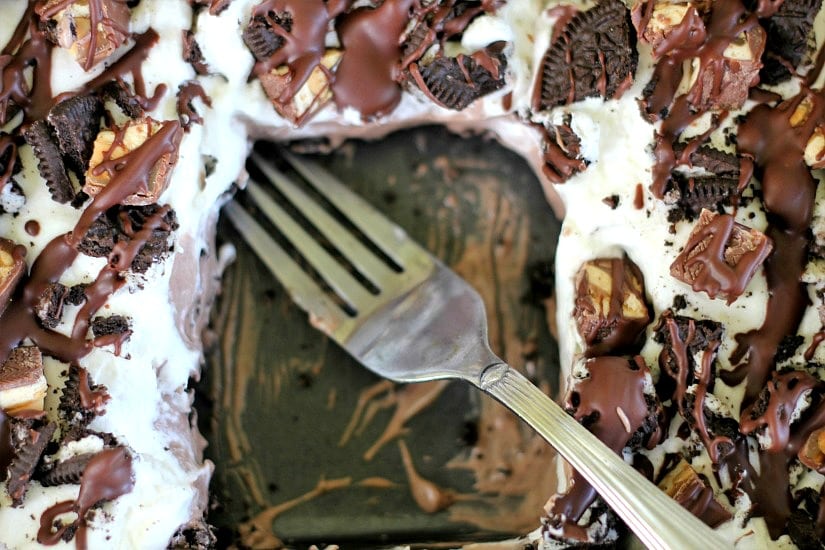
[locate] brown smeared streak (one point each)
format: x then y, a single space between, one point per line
366 76
107 476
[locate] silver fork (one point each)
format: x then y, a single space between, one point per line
426 323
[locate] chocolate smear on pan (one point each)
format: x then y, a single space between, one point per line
107 476
595 55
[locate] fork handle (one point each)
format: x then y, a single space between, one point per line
659 521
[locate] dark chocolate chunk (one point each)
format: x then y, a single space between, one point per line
788 34
120 223
192 53
49 161
595 55
259 37
76 122
455 82
49 307
67 472
118 91
29 439
114 324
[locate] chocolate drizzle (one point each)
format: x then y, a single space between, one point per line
612 404
107 476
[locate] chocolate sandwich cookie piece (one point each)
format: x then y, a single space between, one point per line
720 256
192 53
12 268
30 433
90 29
81 401
119 92
49 306
455 82
76 122
610 309
715 185
41 138
260 35
22 383
789 34
594 55
65 472
122 223
561 152
110 149
196 535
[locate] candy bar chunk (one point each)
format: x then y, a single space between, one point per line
12 268
22 383
90 29
721 256
685 486
610 309
665 18
812 453
725 83
815 149
310 98
111 145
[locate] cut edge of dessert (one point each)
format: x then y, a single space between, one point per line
681 140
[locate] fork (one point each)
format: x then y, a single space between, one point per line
420 321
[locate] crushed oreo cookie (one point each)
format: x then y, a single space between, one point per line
121 223
75 122
789 31
49 307
50 164
595 55
29 436
113 324
65 472
261 39
455 82
192 53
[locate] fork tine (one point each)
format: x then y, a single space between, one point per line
391 239
339 279
359 255
303 290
